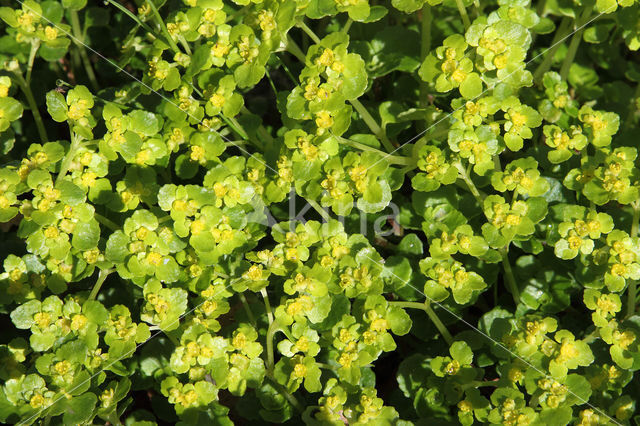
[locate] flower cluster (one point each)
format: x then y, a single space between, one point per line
195 198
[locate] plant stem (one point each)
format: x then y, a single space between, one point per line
631 298
262 132
410 305
235 126
575 42
68 158
271 331
113 418
292 399
426 306
102 276
294 49
78 39
510 279
127 12
372 124
236 13
463 13
425 47
235 143
31 100
247 309
173 339
185 45
439 325
480 384
633 284
347 25
163 27
309 31
561 32
635 219
496 163
107 222
267 306
35 45
472 187
632 108
394 159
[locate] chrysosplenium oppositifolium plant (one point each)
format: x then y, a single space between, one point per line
322 212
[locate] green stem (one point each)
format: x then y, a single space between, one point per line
541 6
163 27
425 47
236 14
267 306
633 284
173 339
325 366
426 306
545 65
635 219
294 49
510 279
237 127
102 276
347 25
632 108
31 100
480 384
575 42
185 45
35 45
292 399
127 12
631 298
247 309
113 418
470 185
372 124
309 31
108 222
78 39
496 163
463 13
393 159
410 305
68 158
262 132
271 331
439 324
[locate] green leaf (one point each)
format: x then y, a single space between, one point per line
74 4
86 235
399 321
411 244
117 247
22 316
471 87
57 106
461 352
408 6
79 409
144 123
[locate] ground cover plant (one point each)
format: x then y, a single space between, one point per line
320 212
